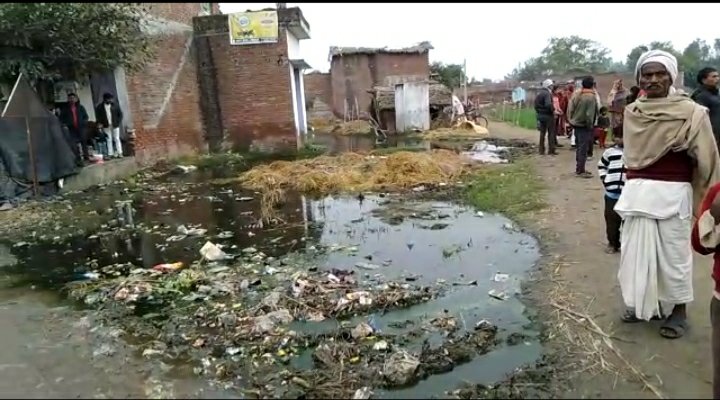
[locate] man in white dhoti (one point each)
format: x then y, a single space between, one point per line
671 160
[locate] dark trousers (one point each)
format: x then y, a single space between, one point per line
76 138
613 222
583 141
715 335
546 126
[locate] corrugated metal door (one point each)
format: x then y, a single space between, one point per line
416 98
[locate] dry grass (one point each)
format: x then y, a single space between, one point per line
358 172
463 130
357 127
593 346
323 122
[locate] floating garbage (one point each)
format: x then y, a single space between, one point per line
168 267
499 277
212 252
485 152
498 294
362 330
363 393
191 232
184 169
368 266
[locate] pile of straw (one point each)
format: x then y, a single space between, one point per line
357 172
462 130
323 123
356 127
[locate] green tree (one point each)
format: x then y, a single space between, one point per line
49 40
563 55
450 75
634 56
697 55
635 53
574 52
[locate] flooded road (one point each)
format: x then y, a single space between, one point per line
478 259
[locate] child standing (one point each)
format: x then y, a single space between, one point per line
603 123
611 170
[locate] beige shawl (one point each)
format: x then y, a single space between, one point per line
654 127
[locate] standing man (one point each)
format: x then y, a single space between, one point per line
707 95
582 111
545 114
74 117
671 160
458 110
109 117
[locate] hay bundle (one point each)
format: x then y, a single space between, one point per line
407 169
353 171
319 122
462 130
356 127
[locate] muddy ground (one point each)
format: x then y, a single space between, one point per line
577 275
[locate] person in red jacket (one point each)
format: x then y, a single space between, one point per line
705 240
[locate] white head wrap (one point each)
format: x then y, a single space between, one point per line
659 56
547 83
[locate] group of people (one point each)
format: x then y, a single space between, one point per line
662 187
108 116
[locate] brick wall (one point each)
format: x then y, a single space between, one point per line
253 87
164 97
318 95
353 75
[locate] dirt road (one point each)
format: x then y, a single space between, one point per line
572 228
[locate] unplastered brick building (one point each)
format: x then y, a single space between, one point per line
162 102
201 92
252 95
354 71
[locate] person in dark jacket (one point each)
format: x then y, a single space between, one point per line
707 95
74 118
109 117
545 114
582 112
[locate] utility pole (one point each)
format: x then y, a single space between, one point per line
465 81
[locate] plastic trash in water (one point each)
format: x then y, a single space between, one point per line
211 252
167 267
90 275
500 277
499 295
372 321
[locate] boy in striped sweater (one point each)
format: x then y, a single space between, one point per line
611 170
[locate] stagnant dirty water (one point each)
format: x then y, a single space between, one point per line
56 350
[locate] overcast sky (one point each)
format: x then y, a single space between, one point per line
493 37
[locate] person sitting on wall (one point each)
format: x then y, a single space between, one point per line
109 118
74 118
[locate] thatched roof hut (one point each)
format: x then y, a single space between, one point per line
384 96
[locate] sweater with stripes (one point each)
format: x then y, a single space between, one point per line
611 170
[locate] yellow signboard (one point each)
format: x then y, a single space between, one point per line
253 27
